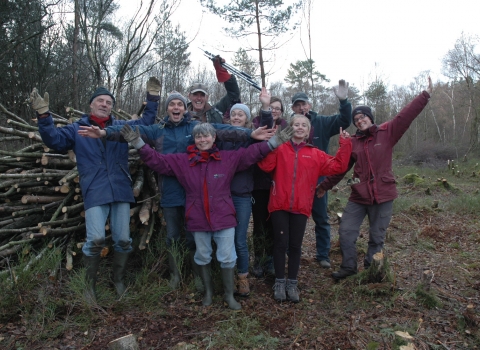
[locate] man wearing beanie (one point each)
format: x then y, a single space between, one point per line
373 188
323 128
104 176
173 135
199 107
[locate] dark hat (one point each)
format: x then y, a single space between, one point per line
363 110
198 87
175 95
102 91
300 96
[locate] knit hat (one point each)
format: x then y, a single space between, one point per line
241 107
363 110
102 91
300 96
175 95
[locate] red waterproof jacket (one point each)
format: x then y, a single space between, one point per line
372 155
295 174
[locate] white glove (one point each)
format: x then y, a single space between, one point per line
341 90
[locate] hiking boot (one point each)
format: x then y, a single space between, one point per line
243 286
279 290
293 294
324 264
257 269
228 275
119 267
342 273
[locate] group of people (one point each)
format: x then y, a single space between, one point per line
214 176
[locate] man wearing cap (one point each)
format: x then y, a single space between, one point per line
104 176
323 128
373 187
199 107
173 135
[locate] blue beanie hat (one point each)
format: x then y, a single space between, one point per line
241 107
102 91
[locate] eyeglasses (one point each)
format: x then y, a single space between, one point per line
276 109
356 120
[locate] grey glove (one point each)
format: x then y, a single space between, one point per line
38 103
132 136
280 137
341 90
153 86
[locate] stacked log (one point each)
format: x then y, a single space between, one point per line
40 196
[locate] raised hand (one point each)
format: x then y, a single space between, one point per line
132 136
430 86
262 133
281 137
344 134
93 132
38 103
222 73
341 90
264 98
153 86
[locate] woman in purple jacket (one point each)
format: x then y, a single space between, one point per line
206 174
262 224
373 189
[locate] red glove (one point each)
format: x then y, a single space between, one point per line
222 73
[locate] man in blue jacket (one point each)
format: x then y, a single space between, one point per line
104 176
323 128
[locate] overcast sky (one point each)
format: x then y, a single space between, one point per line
353 39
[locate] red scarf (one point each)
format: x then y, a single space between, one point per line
99 121
195 155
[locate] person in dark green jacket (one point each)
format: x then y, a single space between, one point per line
200 109
323 128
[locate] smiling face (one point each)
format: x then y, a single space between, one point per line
301 107
276 110
301 128
204 142
175 110
199 100
101 106
362 121
238 118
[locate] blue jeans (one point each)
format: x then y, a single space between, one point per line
322 227
243 207
95 219
175 219
225 240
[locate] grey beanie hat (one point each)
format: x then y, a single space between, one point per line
175 95
241 107
102 91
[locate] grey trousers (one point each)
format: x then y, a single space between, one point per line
379 216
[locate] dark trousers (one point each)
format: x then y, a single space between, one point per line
379 216
288 231
322 227
175 219
262 224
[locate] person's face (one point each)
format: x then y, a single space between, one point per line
175 110
362 122
276 110
238 118
204 142
199 100
301 107
101 106
301 129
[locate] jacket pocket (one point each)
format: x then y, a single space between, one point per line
361 190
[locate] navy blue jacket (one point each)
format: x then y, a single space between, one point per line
102 165
167 137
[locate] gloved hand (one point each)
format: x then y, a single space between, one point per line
38 103
153 86
341 90
280 137
222 73
430 87
132 136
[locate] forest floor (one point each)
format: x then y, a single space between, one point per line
433 228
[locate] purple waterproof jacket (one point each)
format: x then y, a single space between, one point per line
207 184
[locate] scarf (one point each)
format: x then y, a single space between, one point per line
99 121
195 155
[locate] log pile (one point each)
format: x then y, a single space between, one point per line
40 196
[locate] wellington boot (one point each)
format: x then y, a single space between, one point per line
243 285
196 273
91 264
205 274
229 286
119 267
174 272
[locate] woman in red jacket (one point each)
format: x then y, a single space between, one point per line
374 187
295 167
